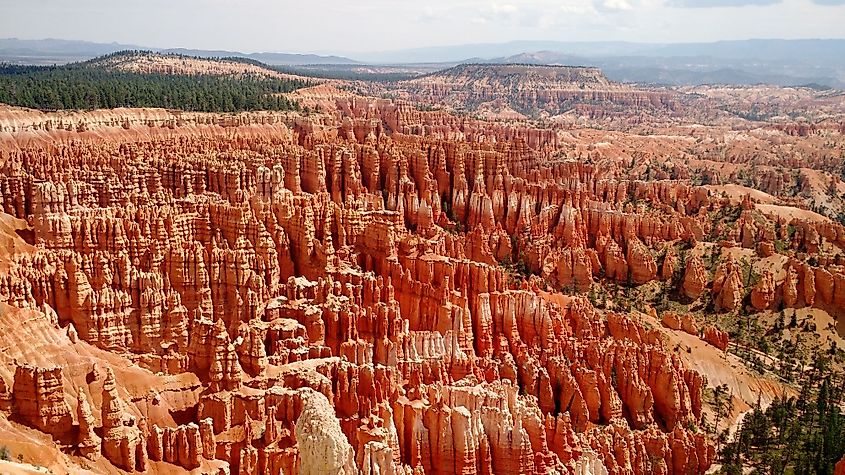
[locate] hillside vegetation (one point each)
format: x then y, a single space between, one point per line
91 86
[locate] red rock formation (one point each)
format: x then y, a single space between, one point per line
123 442
616 267
5 397
643 268
716 337
824 285
839 469
38 398
695 277
182 445
727 286
688 324
670 262
790 287
87 440
671 320
763 293
376 258
809 285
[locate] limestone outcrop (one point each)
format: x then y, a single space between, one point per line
322 444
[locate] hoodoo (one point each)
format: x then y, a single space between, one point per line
212 266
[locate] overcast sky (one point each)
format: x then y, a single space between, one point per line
345 26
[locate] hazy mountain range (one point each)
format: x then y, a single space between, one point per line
701 69
832 50
781 62
52 51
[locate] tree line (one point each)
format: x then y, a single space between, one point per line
794 435
79 86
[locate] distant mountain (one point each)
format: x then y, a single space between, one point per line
52 51
459 53
694 70
773 61
829 51
274 59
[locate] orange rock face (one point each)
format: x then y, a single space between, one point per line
382 289
763 293
38 398
643 268
695 278
790 287
839 469
87 441
716 337
123 442
375 288
728 287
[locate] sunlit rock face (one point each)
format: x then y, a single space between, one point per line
381 289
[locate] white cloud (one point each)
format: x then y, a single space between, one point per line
506 9
577 7
616 5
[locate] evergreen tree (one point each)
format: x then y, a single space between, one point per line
81 86
803 435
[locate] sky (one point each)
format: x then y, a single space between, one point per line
349 26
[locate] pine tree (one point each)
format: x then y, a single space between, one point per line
85 87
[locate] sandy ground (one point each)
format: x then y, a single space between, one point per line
766 203
737 192
722 368
790 212
15 468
